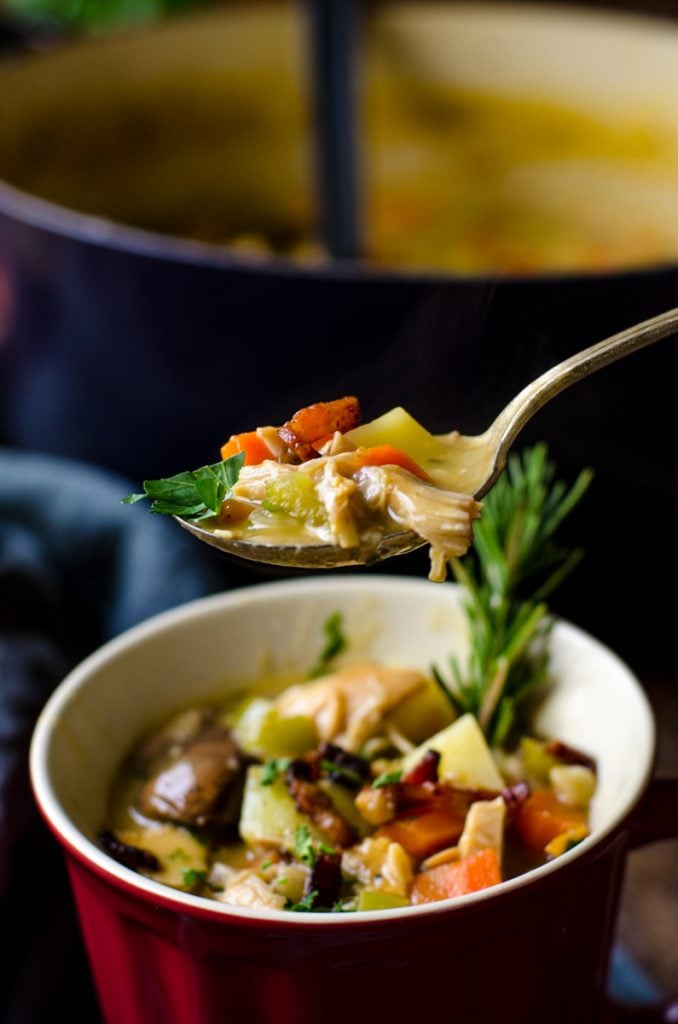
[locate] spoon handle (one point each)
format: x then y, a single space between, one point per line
530 400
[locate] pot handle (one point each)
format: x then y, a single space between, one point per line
655 819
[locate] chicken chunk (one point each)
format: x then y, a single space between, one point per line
484 828
350 706
362 502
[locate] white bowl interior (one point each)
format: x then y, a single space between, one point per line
194 652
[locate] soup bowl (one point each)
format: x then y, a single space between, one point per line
534 948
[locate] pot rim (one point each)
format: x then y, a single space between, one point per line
102 232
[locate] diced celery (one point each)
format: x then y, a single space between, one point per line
344 802
464 755
260 731
536 762
398 428
269 814
296 496
374 899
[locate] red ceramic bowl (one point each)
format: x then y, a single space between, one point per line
534 949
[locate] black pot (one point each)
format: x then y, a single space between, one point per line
143 352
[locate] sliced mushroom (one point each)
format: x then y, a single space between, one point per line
194 788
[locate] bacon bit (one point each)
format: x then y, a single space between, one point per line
133 857
308 429
350 768
425 771
302 769
514 797
570 755
310 799
325 879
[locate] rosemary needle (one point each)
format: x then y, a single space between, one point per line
515 564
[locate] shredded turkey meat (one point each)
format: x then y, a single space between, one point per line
350 706
361 502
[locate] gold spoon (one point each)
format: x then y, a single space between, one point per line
474 463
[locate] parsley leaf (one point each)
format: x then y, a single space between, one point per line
334 769
386 779
273 768
303 845
305 904
194 494
335 643
191 877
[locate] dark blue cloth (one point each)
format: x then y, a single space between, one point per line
77 568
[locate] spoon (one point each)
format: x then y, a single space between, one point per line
475 462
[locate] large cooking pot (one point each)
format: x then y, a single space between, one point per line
142 349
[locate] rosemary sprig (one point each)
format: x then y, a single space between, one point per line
514 566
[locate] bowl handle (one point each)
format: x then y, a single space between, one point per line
655 819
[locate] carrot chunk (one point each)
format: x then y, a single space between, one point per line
425 833
542 817
256 450
389 455
457 878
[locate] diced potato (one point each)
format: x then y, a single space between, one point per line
179 853
574 784
465 758
396 427
269 816
260 731
422 713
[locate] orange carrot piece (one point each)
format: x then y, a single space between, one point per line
542 817
318 420
424 834
388 455
251 444
457 878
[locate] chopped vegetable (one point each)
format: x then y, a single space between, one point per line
464 755
251 444
377 899
542 817
388 455
456 878
424 833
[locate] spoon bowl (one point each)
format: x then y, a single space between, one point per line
473 462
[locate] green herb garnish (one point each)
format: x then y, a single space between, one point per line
192 878
514 565
387 779
305 904
332 768
195 494
303 845
273 768
335 643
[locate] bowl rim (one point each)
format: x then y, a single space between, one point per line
85 849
